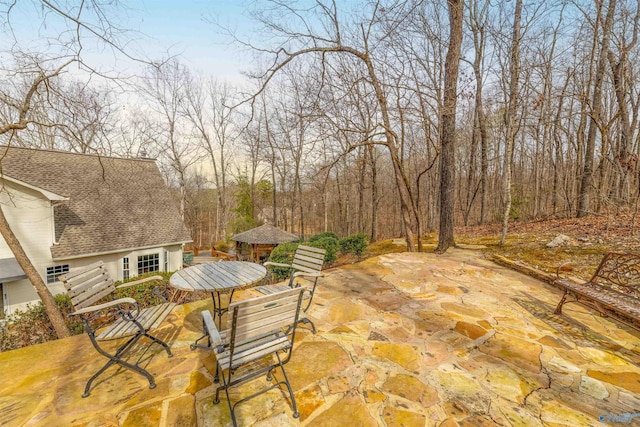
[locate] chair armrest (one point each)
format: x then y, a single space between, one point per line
139 282
276 264
559 268
104 305
212 331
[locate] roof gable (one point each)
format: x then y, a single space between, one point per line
114 203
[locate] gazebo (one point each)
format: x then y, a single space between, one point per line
262 240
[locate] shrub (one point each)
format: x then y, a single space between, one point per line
32 326
144 293
354 244
319 236
221 246
328 243
283 253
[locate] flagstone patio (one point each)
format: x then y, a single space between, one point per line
403 340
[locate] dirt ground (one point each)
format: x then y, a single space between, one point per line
589 238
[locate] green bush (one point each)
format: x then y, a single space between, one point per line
32 326
354 244
328 243
319 236
283 253
144 293
221 246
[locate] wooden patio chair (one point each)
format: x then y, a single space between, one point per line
115 319
306 265
257 329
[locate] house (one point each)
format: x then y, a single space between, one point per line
69 210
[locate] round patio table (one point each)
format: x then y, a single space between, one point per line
222 277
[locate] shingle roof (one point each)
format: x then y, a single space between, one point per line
264 235
114 203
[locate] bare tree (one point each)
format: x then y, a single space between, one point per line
596 110
165 88
208 105
333 37
448 126
514 74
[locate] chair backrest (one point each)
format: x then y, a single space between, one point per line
308 259
87 285
252 319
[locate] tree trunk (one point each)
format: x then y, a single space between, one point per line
374 196
50 306
511 118
594 121
448 126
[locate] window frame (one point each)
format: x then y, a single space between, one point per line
147 262
126 268
166 260
52 272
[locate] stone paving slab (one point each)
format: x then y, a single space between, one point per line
403 340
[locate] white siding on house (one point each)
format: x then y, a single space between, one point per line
30 216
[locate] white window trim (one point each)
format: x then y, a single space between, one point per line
127 269
166 260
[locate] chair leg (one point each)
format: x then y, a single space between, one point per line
159 341
311 293
309 322
294 406
116 359
231 408
225 386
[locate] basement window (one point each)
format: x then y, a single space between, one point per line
148 263
55 271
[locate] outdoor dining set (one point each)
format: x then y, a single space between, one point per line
260 329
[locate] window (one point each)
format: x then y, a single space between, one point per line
125 268
55 271
166 260
148 263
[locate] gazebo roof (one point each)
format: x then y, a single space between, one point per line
264 235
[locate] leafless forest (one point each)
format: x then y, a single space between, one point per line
338 125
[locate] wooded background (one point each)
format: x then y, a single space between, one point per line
338 125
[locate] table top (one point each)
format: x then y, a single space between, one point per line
221 276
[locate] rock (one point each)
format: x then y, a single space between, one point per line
312 361
627 380
400 354
469 330
514 351
308 401
398 417
559 240
181 412
561 365
411 388
593 388
349 411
